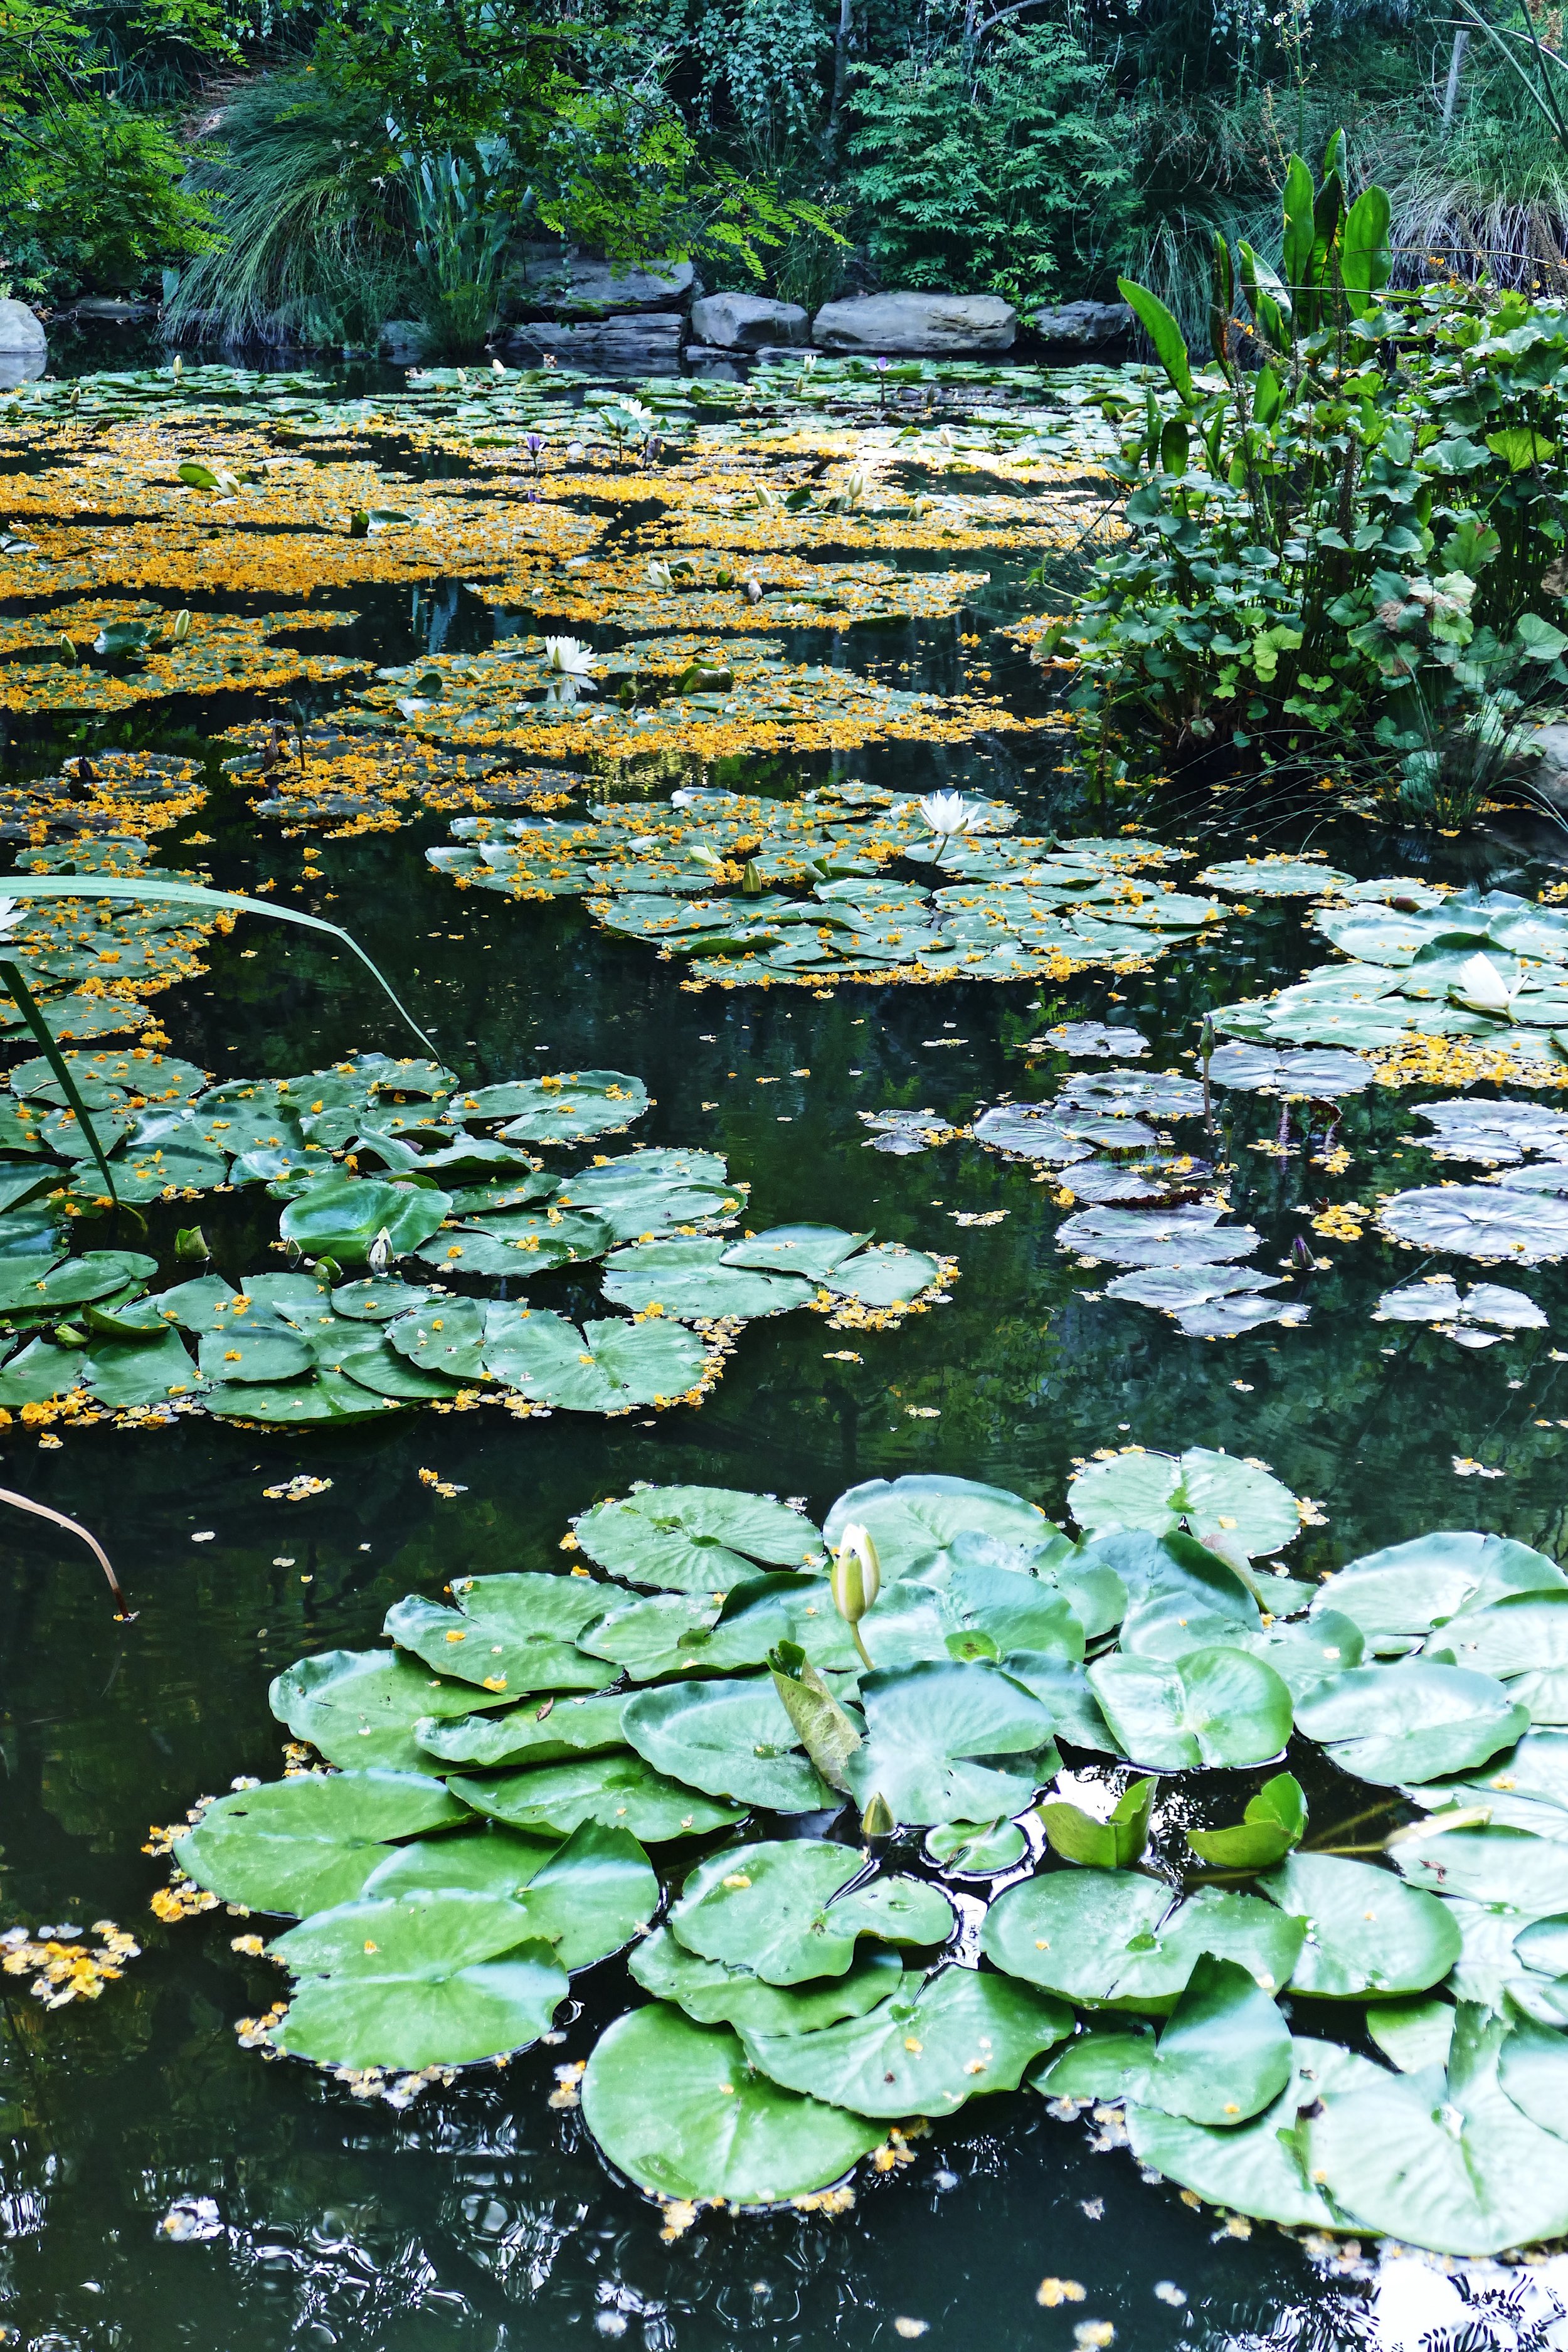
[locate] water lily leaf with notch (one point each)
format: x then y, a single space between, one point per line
447 1336
646 1192
975 1849
915 1521
1062 1688
657 1635
1274 1821
1368 1933
1258 2167
1397 1596
1521 1641
1189 1235
717 1994
1321 1075
593 1895
679 2108
421 1980
1224 2055
366 1356
1507 1871
1116 1939
931 2046
122 1375
359 1706
339 1216
1274 877
1217 1496
1213 1706
694 1539
692 1278
1413 2033
253 1355
482 1857
604 1367
812 1252
380 1298
1481 1222
888 1276
45 1289
305 1844
39 1371
731 1738
759 1615
515 1633
541 1731
529 1245
790 1909
619 1789
1431 1720
564 1110
951 1742
1466 2172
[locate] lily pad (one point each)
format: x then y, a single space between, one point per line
731 1738
1259 2168
359 1706
792 1910
508 1633
539 1731
307 1843
951 1742
914 1521
1224 2055
1231 1503
1481 1221
564 1110
619 1788
339 1216
1429 1720
716 1994
1368 1933
930 2047
1115 1938
695 1540
693 1278
680 2109
605 1366
1213 1706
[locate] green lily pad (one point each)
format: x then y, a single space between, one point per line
716 1994
949 1742
307 1843
359 1706
1507 1871
541 1731
421 1980
649 1636
1478 1221
606 1367
976 1849
592 1896
339 1216
619 1788
1533 2071
483 1858
1368 1933
646 1192
1522 1641
1113 1937
564 1110
1275 1820
731 1738
1397 1596
1259 2168
1223 2056
1431 1720
1215 1495
889 1276
691 1278
679 2108
915 1521
703 1539
511 1634
930 2047
254 1356
791 1910
1213 1706
121 1376
812 1251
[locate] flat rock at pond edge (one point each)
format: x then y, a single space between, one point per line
571 286
935 324
652 335
1084 323
747 322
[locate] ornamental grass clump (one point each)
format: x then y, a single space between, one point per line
1346 541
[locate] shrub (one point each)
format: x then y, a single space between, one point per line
96 206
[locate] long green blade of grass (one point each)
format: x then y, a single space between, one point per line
27 1005
196 896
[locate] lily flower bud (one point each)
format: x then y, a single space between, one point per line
856 1573
877 1820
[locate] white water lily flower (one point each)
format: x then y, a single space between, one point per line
704 855
10 914
950 813
571 665
659 575
380 1252
1480 985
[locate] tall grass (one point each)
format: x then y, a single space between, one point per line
312 251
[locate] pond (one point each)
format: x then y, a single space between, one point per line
369 573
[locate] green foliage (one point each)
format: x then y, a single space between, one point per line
1343 551
97 204
1007 180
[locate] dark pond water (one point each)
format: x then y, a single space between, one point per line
481 2218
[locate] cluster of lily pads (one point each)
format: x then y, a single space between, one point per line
89 965
702 878
943 1801
302 1344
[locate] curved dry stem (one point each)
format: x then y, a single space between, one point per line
73 1527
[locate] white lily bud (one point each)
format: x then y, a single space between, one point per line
380 1252
856 1576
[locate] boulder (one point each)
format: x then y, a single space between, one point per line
110 310
648 338
24 346
745 322
937 325
568 287
1550 745
403 342
1084 324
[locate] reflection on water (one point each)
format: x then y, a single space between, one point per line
161 2186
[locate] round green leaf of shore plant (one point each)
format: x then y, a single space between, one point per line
716 1994
696 1539
1223 2056
1257 2167
1114 1938
914 1520
1424 1720
926 2051
1213 1706
307 1843
539 1731
511 1634
1464 2172
421 1980
679 2108
690 1278
731 1738
780 1908
950 1742
620 1789
360 1706
1368 1933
